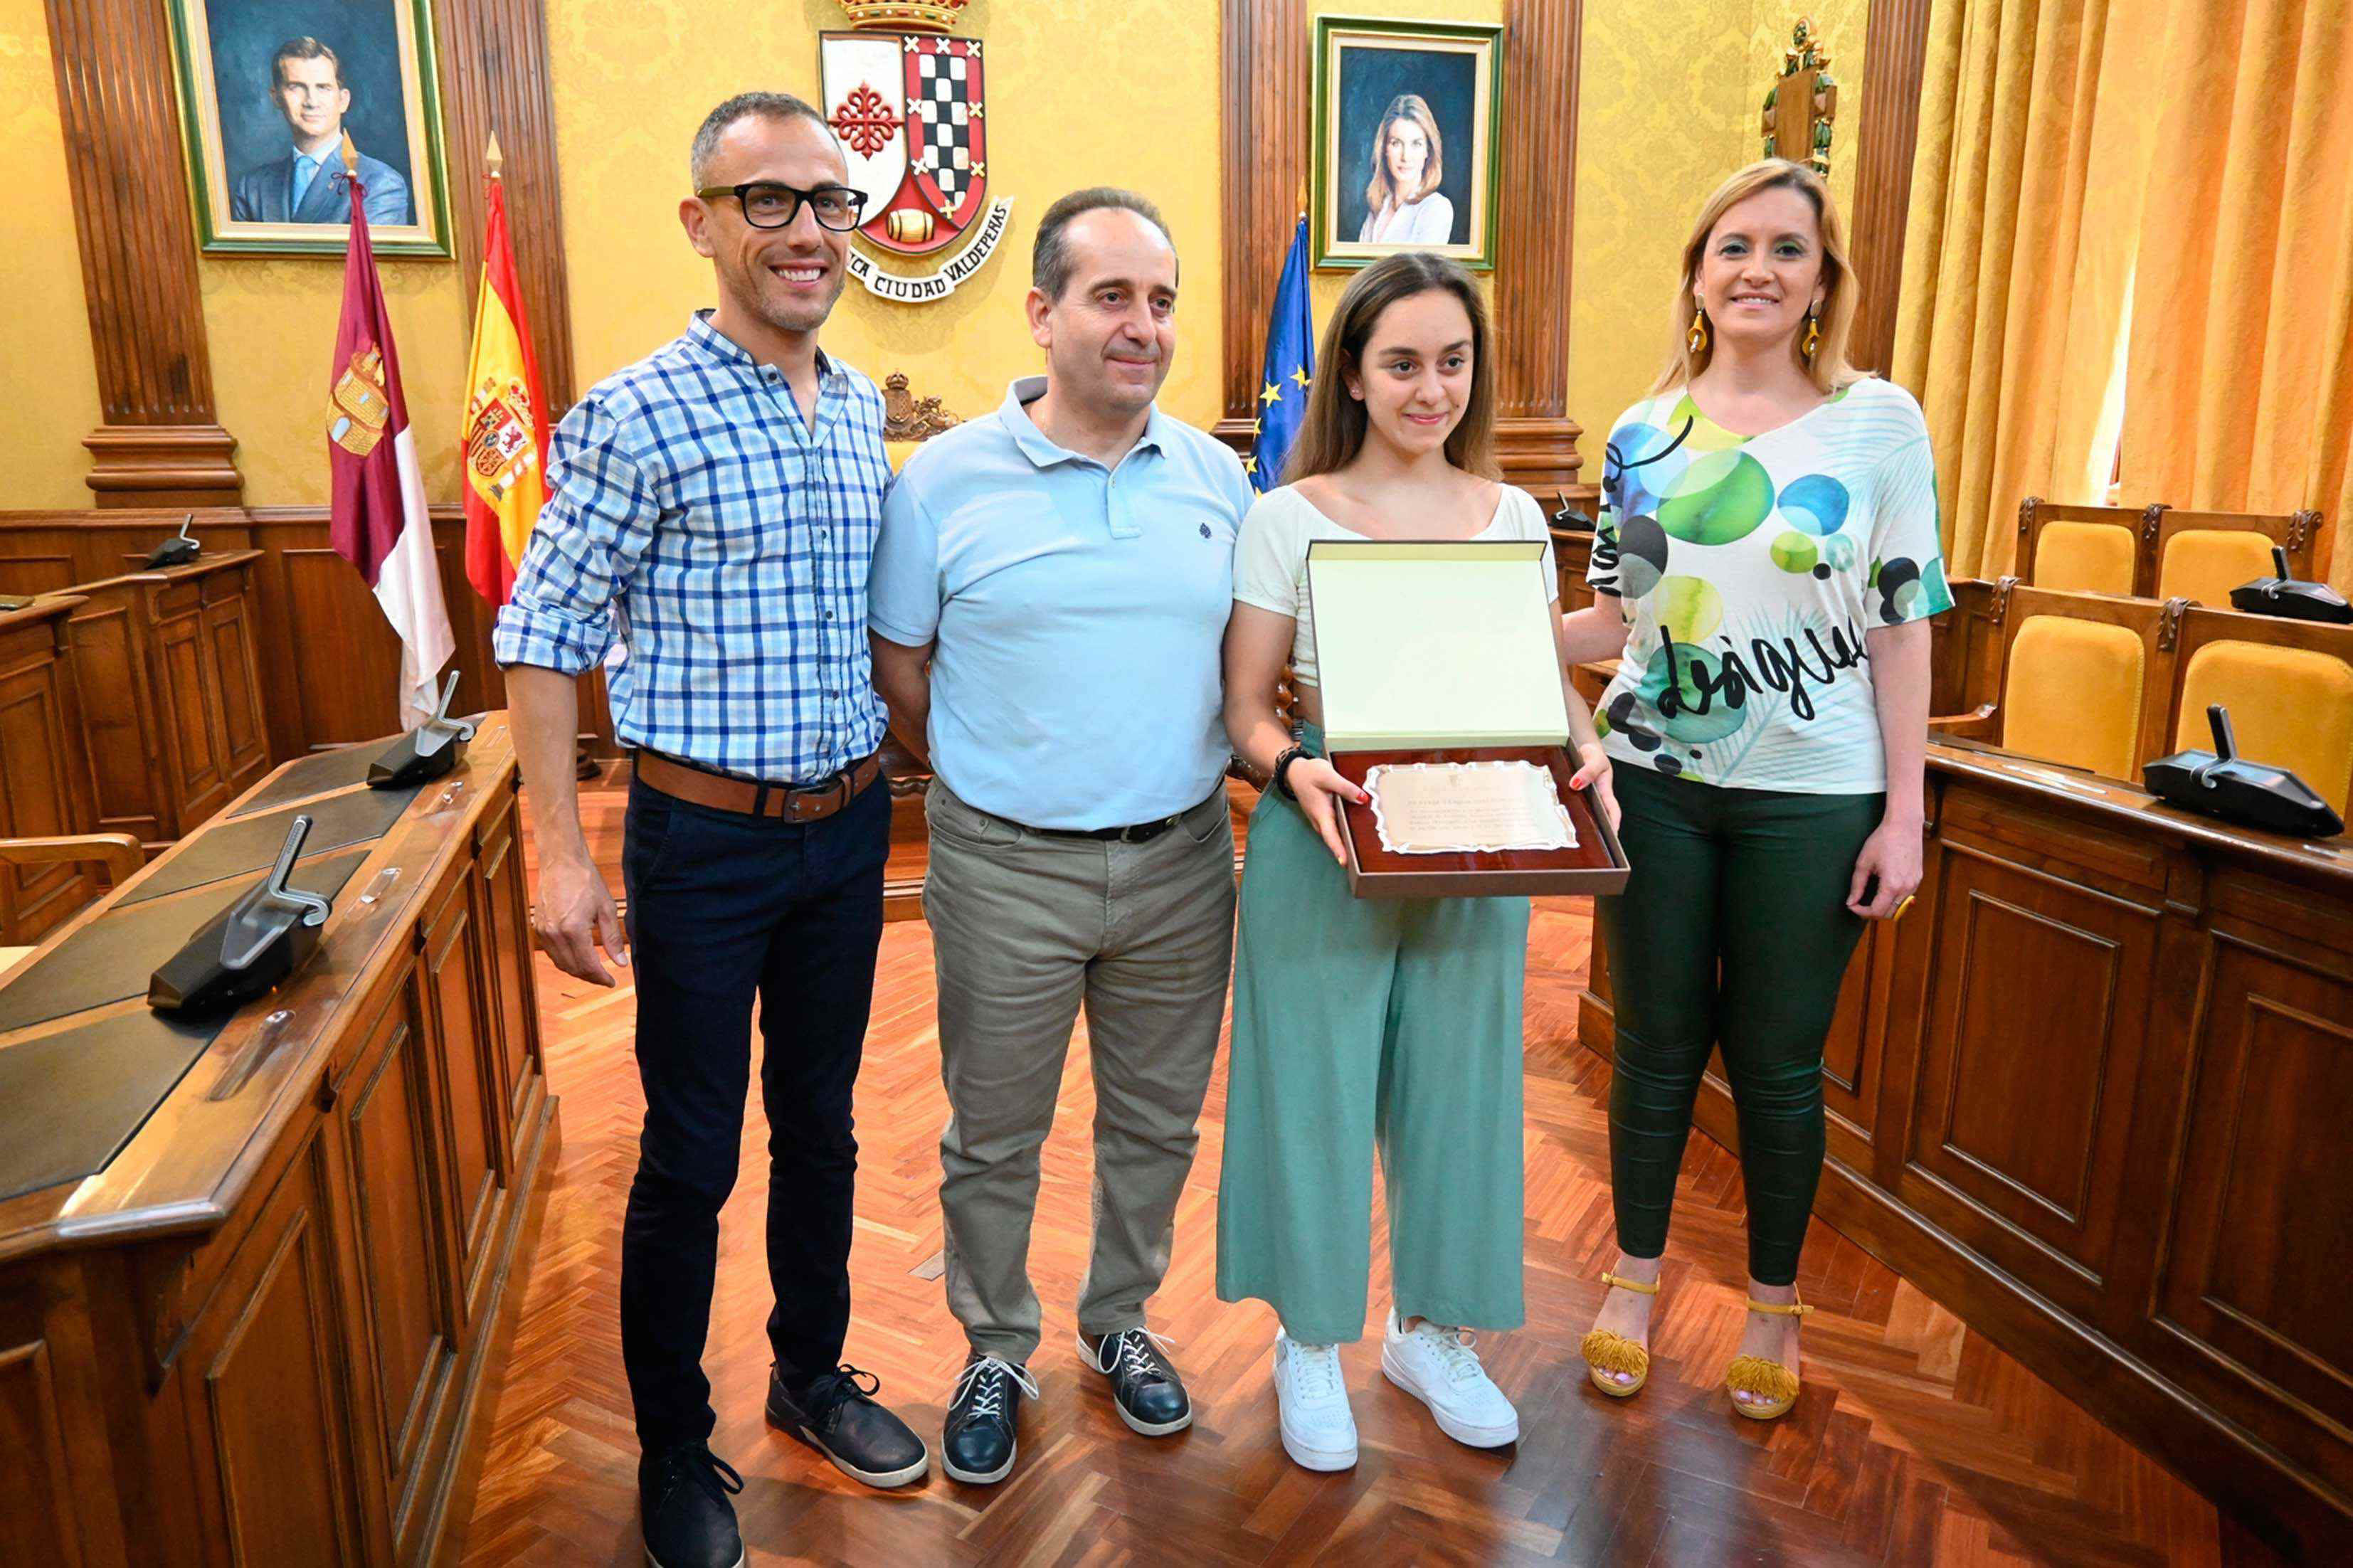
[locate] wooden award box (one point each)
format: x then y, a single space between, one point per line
1445 652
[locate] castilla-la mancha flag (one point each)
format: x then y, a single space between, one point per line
378 523
504 429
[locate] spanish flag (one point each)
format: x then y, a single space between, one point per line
505 428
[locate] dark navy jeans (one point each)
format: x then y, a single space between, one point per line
723 908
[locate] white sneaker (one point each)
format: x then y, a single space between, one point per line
1439 1367
1318 1429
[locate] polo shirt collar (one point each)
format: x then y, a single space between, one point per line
1042 449
727 351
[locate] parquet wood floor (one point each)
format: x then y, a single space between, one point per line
1915 1441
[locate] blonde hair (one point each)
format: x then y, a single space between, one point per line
1829 368
1331 432
1382 190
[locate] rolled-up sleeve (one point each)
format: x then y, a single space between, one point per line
599 516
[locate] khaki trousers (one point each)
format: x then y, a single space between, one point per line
1026 929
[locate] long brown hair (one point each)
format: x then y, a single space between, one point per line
1333 430
1829 369
1406 106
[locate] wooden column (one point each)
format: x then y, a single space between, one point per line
1268 89
494 77
162 444
1536 439
1895 50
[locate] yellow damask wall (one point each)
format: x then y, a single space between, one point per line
1670 98
634 77
1670 101
49 400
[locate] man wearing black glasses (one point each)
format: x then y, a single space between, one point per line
715 507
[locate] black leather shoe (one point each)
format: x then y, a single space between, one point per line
837 1416
1150 1395
976 1443
682 1505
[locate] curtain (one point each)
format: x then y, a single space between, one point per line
2037 125
2241 381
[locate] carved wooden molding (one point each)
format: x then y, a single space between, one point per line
161 443
1268 85
1894 54
1802 102
494 77
906 417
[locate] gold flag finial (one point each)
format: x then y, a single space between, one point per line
493 161
350 156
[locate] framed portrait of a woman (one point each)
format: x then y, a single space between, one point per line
1407 139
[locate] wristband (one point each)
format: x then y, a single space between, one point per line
1283 769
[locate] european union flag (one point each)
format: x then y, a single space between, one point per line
1290 366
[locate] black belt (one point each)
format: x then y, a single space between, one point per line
1133 833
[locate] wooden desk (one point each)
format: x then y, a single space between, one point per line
171 691
257 1332
44 787
2095 1092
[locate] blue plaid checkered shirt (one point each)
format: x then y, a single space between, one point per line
694 516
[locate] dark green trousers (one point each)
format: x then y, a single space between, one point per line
1732 930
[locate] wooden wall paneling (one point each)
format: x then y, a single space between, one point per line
270 1384
494 77
505 913
1895 47
197 762
405 1283
45 785
236 672
162 442
122 737
2250 1298
449 940
2020 1153
37 1507
1535 438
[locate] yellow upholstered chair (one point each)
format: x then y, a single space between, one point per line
2070 694
2202 555
2085 558
2080 549
2203 564
2290 707
2079 679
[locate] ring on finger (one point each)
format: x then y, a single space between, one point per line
1897 913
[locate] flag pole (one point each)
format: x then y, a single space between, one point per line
493 161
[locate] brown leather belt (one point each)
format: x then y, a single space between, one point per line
808 803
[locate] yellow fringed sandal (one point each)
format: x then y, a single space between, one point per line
1774 1385
1605 1352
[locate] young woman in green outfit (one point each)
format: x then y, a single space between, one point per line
1765 566
1365 1024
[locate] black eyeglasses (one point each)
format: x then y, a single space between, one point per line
768 204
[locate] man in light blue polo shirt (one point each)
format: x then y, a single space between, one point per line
1049 596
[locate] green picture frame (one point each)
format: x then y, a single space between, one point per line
253 83
1390 93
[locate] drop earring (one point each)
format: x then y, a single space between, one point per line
1813 334
1695 341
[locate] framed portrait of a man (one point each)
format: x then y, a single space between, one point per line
270 89
1407 139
